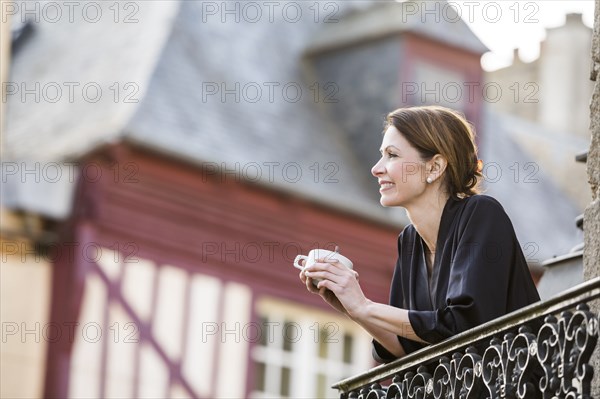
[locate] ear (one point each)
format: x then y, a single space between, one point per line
436 166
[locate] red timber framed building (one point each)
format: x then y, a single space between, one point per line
184 285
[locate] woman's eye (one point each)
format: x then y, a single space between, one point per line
390 155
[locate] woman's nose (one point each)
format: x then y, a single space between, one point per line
377 169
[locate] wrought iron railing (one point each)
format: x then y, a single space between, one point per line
541 351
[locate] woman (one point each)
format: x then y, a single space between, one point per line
459 261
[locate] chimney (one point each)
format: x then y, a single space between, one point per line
565 88
394 55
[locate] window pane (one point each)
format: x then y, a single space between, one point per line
259 377
290 331
321 386
348 343
264 330
323 338
285 382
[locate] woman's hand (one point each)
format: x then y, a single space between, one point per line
338 286
326 294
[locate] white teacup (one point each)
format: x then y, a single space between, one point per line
316 254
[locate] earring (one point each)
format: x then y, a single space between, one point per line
429 180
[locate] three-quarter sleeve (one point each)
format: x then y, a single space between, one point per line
485 251
380 354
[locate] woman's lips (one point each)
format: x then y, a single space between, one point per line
385 185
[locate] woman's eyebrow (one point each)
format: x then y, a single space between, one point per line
386 148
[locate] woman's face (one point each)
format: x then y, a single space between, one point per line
400 171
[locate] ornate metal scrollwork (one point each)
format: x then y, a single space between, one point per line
460 377
565 346
508 366
553 363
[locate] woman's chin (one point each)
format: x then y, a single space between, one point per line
386 202
391 199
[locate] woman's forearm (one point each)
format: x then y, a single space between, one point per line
387 339
383 320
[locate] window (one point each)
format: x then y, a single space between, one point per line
302 351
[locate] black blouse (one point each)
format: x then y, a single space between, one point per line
479 273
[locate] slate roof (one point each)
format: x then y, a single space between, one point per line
166 59
81 53
179 116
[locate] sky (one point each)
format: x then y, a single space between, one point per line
507 24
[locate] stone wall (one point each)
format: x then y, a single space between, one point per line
591 253
592 212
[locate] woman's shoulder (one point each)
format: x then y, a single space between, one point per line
482 200
481 203
479 208
482 210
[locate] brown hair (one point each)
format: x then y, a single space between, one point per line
437 130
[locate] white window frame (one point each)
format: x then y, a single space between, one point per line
303 360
